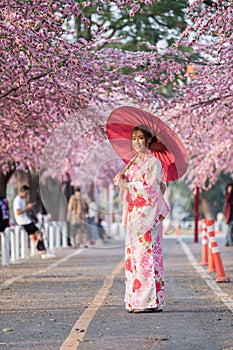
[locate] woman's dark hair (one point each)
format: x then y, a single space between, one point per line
146 132
24 188
77 189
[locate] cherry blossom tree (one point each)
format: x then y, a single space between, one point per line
200 108
48 78
208 100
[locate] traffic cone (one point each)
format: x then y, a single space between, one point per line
204 244
211 265
216 254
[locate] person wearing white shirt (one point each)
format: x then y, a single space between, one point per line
20 209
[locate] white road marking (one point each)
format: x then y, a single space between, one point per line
79 329
209 281
10 281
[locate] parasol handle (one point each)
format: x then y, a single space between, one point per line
129 165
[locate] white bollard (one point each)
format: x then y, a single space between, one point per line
5 237
12 242
118 229
64 234
58 234
122 231
17 242
24 244
8 242
46 234
51 236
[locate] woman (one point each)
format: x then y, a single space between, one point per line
228 212
77 209
143 210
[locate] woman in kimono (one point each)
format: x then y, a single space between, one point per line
144 208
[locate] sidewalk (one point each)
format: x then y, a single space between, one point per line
48 298
226 254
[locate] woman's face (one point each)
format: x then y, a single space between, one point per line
139 141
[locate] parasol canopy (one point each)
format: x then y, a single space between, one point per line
168 148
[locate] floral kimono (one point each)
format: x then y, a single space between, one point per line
143 209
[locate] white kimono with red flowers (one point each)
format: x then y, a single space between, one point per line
143 209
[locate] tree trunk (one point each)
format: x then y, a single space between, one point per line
54 199
4 178
32 180
35 191
22 178
207 209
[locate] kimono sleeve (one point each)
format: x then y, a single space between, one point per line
151 176
154 174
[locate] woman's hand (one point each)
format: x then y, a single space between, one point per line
117 178
120 180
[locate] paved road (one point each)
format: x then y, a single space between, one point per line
76 302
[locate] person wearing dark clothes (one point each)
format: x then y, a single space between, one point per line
228 212
4 214
101 230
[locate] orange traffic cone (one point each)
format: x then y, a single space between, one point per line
216 254
211 265
204 244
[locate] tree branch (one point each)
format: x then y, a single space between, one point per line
210 101
209 3
37 77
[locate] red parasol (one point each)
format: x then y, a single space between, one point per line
169 148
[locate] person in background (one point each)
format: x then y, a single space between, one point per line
76 214
228 212
101 230
92 222
20 209
4 214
